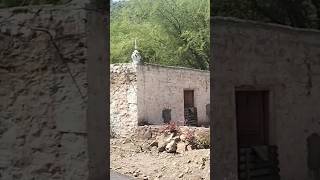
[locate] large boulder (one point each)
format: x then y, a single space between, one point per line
171 147
163 141
167 143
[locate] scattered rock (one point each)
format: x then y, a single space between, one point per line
195 177
162 147
183 137
125 141
148 133
187 170
191 165
188 147
168 139
163 168
145 133
171 147
154 143
162 143
181 147
180 175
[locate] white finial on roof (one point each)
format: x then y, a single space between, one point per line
136 58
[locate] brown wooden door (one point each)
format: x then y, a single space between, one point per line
252 114
188 98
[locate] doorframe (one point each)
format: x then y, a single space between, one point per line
272 125
268 115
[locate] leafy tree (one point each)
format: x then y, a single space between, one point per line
169 32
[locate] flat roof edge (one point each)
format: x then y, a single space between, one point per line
163 66
221 20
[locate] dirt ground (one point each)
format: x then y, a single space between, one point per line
130 157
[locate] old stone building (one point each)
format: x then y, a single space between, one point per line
154 94
265 84
265 101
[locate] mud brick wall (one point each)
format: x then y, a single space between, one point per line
283 60
43 93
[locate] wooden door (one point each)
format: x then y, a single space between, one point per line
188 98
252 114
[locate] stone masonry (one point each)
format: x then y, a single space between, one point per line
123 104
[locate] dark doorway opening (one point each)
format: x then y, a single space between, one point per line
252 117
257 160
188 98
190 112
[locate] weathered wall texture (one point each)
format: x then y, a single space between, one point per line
280 59
43 121
140 93
162 87
123 107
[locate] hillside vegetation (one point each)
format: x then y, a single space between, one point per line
168 32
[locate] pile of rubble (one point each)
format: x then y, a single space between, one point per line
173 138
165 152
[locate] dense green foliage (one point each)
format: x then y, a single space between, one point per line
168 32
176 32
296 13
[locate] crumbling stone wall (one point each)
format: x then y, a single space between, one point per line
161 87
123 104
280 59
43 93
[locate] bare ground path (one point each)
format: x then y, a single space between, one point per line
151 165
117 176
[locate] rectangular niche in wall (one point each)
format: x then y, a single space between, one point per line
166 115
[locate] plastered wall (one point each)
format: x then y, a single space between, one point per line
140 93
45 52
283 60
162 87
